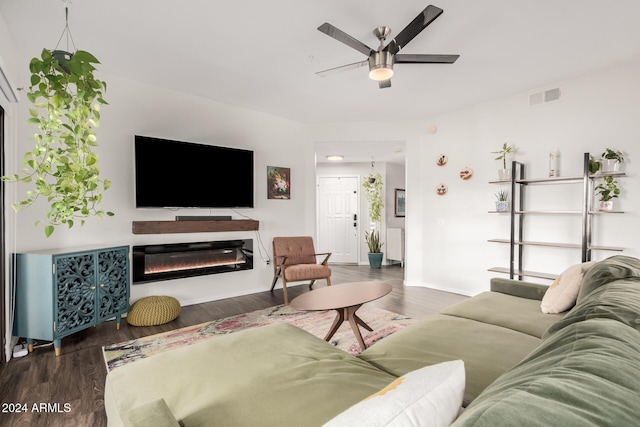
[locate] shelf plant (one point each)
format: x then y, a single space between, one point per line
607 190
502 201
63 167
504 174
611 160
613 155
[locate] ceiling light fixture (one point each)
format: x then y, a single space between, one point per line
381 66
335 157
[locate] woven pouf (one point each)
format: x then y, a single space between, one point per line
153 310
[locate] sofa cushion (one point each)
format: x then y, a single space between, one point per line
563 292
612 268
618 300
520 314
440 338
152 414
276 375
431 396
584 375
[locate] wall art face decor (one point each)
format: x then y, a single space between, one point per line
442 160
278 183
441 190
466 173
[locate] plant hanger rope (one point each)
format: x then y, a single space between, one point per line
66 30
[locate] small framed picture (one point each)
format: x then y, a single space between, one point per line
278 183
399 202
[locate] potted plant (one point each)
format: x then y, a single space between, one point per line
372 185
66 99
502 202
594 165
375 248
504 174
611 160
607 190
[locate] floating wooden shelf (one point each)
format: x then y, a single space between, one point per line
525 273
558 245
166 227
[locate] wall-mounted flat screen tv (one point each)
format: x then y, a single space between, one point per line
176 174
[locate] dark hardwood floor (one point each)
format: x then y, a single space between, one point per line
71 386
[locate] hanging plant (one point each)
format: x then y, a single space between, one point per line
63 167
372 185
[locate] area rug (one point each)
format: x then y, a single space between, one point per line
383 323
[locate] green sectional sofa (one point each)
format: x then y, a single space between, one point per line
522 367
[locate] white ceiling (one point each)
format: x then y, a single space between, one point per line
263 55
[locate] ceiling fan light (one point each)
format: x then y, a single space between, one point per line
380 66
381 74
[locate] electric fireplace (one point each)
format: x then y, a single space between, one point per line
178 260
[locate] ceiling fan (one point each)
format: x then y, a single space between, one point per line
381 61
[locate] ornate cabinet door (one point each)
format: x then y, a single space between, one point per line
113 282
60 292
75 284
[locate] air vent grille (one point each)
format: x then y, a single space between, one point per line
544 97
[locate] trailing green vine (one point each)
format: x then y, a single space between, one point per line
372 185
63 167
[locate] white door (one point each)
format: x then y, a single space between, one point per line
338 218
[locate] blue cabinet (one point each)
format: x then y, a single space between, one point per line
62 292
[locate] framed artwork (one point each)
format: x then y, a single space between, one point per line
399 202
278 183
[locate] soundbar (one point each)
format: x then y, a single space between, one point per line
204 218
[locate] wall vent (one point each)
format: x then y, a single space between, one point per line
543 97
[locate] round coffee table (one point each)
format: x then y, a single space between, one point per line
346 299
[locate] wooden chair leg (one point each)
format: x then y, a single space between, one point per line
284 291
276 274
328 281
311 284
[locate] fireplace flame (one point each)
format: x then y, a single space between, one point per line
170 262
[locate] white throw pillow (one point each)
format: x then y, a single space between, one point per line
430 396
563 292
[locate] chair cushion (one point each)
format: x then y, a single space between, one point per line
294 273
298 250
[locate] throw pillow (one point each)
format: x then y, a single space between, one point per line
430 396
563 292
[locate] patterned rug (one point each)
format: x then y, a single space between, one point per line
383 323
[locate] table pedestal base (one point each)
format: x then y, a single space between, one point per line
349 314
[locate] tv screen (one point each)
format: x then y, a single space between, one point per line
176 174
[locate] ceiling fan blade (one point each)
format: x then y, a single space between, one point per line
345 38
425 59
420 22
385 83
342 68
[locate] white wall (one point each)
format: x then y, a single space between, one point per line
595 111
395 179
136 108
446 236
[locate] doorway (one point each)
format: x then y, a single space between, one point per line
338 218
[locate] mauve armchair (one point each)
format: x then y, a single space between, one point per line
295 260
